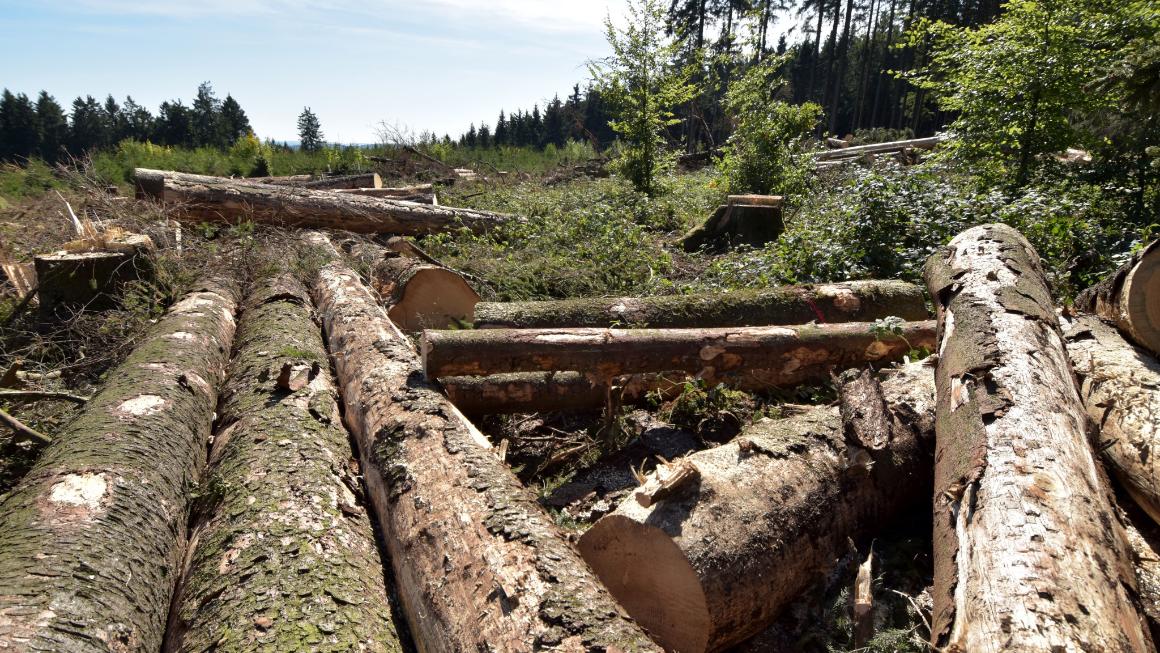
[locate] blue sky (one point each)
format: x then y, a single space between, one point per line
437 64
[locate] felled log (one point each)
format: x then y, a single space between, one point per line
217 199
422 193
418 295
534 392
1028 552
92 538
478 563
1130 298
879 148
862 301
1119 384
705 566
284 555
324 182
742 220
607 353
90 277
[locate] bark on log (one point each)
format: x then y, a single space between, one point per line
228 200
91 540
534 392
423 194
714 563
418 295
1130 298
783 351
478 563
1029 554
336 182
283 555
854 301
1120 387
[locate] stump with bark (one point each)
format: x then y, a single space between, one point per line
478 563
854 301
1120 387
1130 298
217 199
90 279
92 538
711 548
1028 552
283 554
742 220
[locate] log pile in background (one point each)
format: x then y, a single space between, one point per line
478 563
853 301
1029 554
284 557
217 199
92 538
714 546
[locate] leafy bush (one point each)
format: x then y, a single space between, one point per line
765 154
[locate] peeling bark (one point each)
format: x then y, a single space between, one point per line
715 562
1029 554
217 199
1129 298
284 556
854 301
479 564
91 540
1120 387
783 353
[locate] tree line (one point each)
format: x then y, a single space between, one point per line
41 128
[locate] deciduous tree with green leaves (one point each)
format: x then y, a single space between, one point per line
643 85
1018 83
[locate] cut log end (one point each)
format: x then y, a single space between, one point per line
435 298
651 577
1143 299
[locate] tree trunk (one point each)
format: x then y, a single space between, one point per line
1130 298
418 295
1028 552
607 353
709 564
479 564
534 392
284 556
92 538
71 281
862 301
736 224
229 200
1118 384
880 148
405 194
337 182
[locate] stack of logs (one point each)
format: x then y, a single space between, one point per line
131 534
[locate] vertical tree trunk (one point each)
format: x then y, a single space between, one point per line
284 556
91 540
479 564
840 77
886 56
1028 552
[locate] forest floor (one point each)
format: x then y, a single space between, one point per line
586 237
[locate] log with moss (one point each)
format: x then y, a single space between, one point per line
854 301
92 538
478 563
324 182
1029 554
712 547
781 353
1130 298
1120 387
217 199
534 392
284 557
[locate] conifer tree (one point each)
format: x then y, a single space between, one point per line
206 120
554 131
116 125
310 136
234 122
51 127
18 135
484 136
87 127
173 124
139 122
501 131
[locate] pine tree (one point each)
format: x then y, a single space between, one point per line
554 128
51 126
139 123
116 125
205 115
173 125
309 131
536 128
484 136
502 135
235 123
18 134
470 139
87 131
